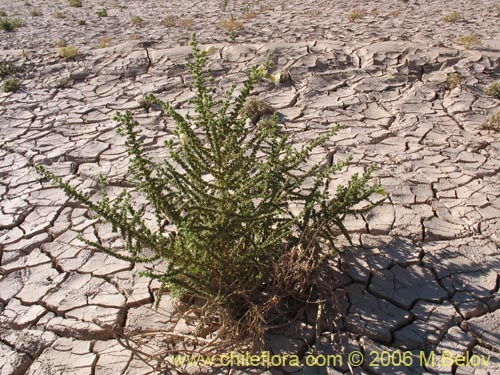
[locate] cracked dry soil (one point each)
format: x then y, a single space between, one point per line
426 277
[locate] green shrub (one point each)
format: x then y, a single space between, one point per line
7 69
9 24
36 13
244 209
102 12
3 13
493 90
11 85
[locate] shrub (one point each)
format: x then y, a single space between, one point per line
35 13
104 41
492 123
493 90
7 69
469 41
59 15
68 52
102 12
238 211
11 85
452 17
3 13
137 21
356 15
82 22
454 80
9 24
231 25
185 23
75 3
169 21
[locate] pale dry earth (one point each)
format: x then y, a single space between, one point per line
426 275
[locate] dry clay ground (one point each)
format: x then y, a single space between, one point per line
427 275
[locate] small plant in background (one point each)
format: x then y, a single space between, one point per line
185 23
6 25
248 15
104 41
11 85
356 15
75 3
233 35
454 80
225 4
82 22
493 90
231 25
59 15
137 21
452 17
169 21
3 13
492 123
249 211
102 12
61 43
469 41
255 109
36 13
10 24
8 69
68 52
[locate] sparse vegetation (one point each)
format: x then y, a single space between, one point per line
169 21
10 24
185 23
137 21
469 41
248 15
6 25
3 13
59 15
492 123
493 90
356 15
11 85
454 80
75 3
36 13
61 43
82 22
452 17
102 12
255 109
230 25
104 41
239 214
7 69
68 52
